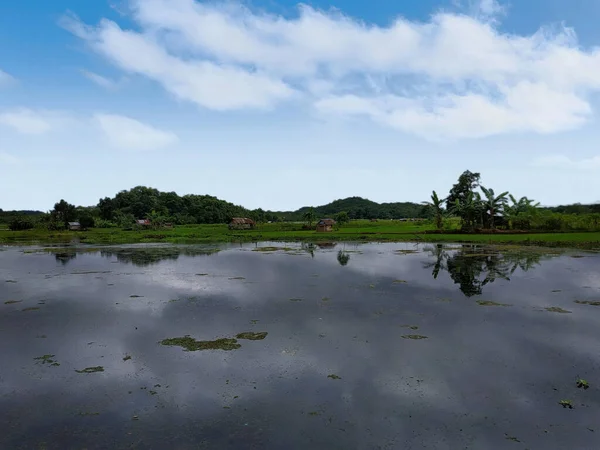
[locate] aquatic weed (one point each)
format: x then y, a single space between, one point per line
251 336
587 302
414 336
334 377
47 359
557 309
582 384
189 344
566 404
490 303
12 302
91 369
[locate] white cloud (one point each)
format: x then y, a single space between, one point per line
456 76
27 121
101 81
130 134
6 79
5 158
562 162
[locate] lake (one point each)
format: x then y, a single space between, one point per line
290 346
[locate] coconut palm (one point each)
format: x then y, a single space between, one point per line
493 203
438 210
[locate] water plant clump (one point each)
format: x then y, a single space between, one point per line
582 384
189 344
490 303
566 404
251 336
556 309
91 369
47 359
414 336
334 376
587 302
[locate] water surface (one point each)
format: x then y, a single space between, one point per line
374 346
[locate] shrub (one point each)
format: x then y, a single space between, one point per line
20 224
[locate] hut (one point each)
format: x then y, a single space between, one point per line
74 226
325 225
241 223
143 223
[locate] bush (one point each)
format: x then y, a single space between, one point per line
101 223
86 222
20 224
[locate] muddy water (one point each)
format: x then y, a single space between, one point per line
390 346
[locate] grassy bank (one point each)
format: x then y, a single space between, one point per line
365 231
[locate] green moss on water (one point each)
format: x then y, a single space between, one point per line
236 278
587 302
582 384
91 369
490 303
512 438
189 344
126 358
557 309
47 359
325 299
31 308
414 336
399 281
259 336
12 302
334 377
566 404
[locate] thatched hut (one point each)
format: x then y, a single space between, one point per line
242 223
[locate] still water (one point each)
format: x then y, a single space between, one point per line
372 346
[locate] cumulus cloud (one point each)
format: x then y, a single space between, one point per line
564 162
27 121
130 134
455 76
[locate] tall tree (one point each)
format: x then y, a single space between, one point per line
309 216
467 183
63 213
493 204
436 204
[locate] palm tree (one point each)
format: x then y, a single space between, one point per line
518 208
438 209
493 203
309 216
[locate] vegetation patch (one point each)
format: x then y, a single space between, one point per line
412 327
251 336
414 336
236 278
557 309
135 296
12 302
405 252
566 404
512 438
587 302
325 299
333 376
31 308
399 281
85 413
189 344
91 369
490 303
273 249
126 358
582 384
47 359
295 299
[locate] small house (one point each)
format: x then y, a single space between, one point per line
74 226
325 225
145 223
241 223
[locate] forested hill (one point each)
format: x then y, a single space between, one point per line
360 208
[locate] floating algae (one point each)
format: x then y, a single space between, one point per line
12 302
412 327
190 344
334 377
295 299
399 281
249 335
587 302
490 303
236 278
31 308
556 309
47 359
126 358
566 404
414 336
91 369
582 384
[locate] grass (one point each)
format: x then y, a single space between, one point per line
359 230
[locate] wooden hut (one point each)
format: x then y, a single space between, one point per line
325 225
241 223
74 226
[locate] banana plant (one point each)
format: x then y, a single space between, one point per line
436 204
493 203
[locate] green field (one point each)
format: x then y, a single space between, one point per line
365 231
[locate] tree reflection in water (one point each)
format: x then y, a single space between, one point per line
473 266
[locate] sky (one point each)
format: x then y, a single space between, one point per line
280 105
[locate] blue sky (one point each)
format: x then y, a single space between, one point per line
278 105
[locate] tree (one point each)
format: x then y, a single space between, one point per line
469 209
342 218
467 183
309 216
86 220
494 204
438 210
63 213
519 214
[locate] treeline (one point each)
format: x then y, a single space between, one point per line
480 208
